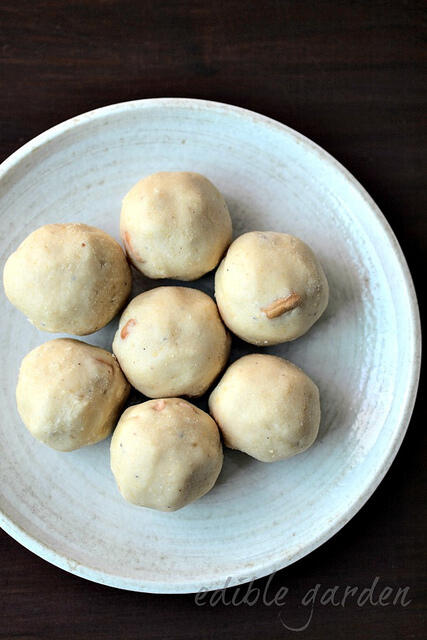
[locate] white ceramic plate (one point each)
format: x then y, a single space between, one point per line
364 353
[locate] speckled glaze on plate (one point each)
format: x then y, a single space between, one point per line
364 353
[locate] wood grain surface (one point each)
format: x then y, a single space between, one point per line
349 75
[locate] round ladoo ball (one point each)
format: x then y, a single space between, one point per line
69 393
270 288
171 342
165 454
266 407
175 225
68 278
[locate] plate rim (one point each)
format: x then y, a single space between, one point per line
261 570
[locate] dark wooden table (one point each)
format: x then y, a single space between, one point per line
350 76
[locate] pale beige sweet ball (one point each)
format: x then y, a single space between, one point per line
165 454
270 288
175 225
69 278
266 407
69 393
171 342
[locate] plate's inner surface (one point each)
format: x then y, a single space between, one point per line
258 516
